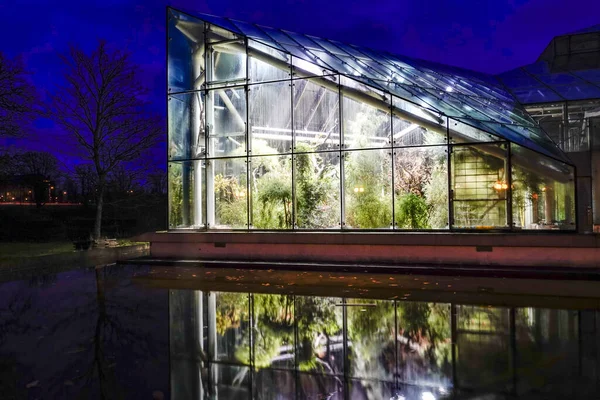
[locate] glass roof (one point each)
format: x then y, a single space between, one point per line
535 83
474 98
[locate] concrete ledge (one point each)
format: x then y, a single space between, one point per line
543 250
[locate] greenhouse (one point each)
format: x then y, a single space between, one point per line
275 130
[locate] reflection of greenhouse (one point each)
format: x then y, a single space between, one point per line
270 129
227 345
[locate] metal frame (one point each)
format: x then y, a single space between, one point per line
247 85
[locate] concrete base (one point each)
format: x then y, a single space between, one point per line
478 249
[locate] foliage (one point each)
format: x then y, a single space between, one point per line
369 206
231 204
175 196
272 190
436 193
316 194
275 200
412 212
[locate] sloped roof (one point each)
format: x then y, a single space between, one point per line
567 70
536 83
470 97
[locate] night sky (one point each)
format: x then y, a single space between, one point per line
484 35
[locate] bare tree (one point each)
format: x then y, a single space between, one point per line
17 97
103 106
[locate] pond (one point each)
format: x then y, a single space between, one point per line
214 332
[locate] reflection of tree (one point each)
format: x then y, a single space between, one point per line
371 334
424 340
12 323
91 355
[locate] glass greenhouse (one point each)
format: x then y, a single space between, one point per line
270 130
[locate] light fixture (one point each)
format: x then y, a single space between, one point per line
500 185
449 89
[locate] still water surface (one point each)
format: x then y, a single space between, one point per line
148 332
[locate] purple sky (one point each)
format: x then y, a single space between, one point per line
484 35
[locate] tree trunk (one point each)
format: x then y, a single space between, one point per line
99 204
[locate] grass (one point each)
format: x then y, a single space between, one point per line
10 250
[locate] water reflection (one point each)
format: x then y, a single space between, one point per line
210 333
284 346
80 334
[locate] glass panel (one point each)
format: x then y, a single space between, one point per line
316 115
401 106
186 200
591 75
367 189
303 68
371 333
267 64
227 115
365 126
543 195
271 118
228 61
254 32
517 78
479 185
185 60
578 92
407 133
274 344
483 331
461 132
317 185
539 94
230 197
186 126
421 187
271 182
424 344
320 338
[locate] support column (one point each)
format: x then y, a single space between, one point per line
197 130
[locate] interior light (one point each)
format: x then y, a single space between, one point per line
449 89
427 396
